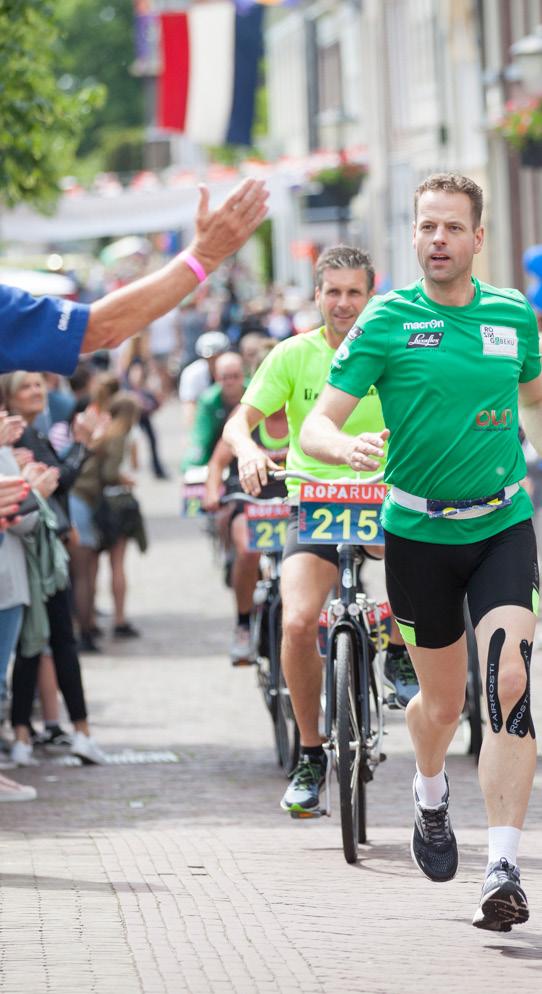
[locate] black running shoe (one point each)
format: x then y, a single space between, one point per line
399 673
433 846
503 902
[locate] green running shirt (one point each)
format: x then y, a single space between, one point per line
292 376
448 381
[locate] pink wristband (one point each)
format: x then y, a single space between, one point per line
194 265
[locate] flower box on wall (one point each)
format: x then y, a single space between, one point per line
521 127
531 154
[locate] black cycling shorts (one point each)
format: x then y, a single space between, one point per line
292 545
427 582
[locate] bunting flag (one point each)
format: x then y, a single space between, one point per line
209 71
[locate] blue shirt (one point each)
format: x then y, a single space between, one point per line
40 334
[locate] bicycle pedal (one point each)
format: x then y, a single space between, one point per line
244 662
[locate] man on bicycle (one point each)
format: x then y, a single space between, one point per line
293 375
448 355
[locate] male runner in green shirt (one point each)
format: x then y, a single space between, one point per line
293 375
447 356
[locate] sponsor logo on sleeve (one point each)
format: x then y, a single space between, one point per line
64 319
498 340
425 340
342 353
354 333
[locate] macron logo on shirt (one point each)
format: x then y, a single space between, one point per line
64 319
422 325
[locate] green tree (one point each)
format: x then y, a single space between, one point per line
98 47
40 125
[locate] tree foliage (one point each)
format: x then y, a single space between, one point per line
98 46
40 125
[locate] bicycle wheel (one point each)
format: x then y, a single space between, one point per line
286 730
350 758
473 693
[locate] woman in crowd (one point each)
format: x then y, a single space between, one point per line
105 475
24 394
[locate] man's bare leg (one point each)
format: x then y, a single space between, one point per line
432 717
507 761
244 578
305 583
433 714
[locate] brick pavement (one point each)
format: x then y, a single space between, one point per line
186 877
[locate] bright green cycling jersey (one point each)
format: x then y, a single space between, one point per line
292 376
448 381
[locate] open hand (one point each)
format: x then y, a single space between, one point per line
222 232
365 450
13 490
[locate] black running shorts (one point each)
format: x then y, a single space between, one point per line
427 582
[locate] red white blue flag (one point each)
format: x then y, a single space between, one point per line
209 58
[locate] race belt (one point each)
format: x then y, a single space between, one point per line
463 509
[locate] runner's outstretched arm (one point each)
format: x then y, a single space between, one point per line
218 234
321 436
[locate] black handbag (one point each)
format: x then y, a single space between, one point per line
118 515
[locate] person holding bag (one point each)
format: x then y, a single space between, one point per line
103 495
24 394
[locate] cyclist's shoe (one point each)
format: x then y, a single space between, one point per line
433 846
242 651
399 673
302 798
503 902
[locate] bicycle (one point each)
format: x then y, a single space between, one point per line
353 678
266 519
354 689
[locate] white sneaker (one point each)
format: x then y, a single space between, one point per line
21 754
242 650
12 791
87 750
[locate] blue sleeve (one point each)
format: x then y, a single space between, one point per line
40 334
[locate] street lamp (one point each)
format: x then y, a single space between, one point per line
527 56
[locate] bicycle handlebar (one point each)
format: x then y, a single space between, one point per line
286 474
249 499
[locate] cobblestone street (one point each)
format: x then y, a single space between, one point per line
180 873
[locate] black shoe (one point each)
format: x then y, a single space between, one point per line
399 672
87 644
503 902
55 739
433 846
126 631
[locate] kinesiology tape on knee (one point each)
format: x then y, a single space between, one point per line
520 720
492 682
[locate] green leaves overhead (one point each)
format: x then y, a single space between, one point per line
40 124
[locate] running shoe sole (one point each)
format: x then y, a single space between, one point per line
502 908
296 811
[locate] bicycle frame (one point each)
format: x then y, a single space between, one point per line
351 610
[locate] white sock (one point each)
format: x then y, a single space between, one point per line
503 843
430 790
